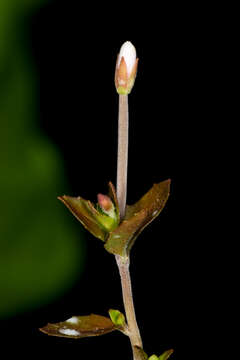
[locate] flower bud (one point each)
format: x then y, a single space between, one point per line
105 203
126 68
107 216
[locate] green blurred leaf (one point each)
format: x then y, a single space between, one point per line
153 357
80 326
166 354
138 216
117 318
41 250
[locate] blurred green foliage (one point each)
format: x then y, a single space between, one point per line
40 247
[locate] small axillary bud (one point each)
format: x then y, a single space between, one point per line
126 68
107 217
105 203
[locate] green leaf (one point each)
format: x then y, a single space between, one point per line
117 318
140 353
166 355
153 357
80 326
41 251
138 216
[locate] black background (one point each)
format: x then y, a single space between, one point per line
74 51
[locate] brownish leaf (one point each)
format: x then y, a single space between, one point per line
122 238
83 210
80 326
97 223
153 201
138 216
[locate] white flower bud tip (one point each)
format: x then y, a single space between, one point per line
128 52
126 68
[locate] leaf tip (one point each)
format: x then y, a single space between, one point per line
166 354
43 330
61 198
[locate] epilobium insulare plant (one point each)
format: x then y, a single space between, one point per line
117 225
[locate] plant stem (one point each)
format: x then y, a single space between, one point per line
134 334
122 159
123 263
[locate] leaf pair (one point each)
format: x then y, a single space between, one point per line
119 237
78 327
103 221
